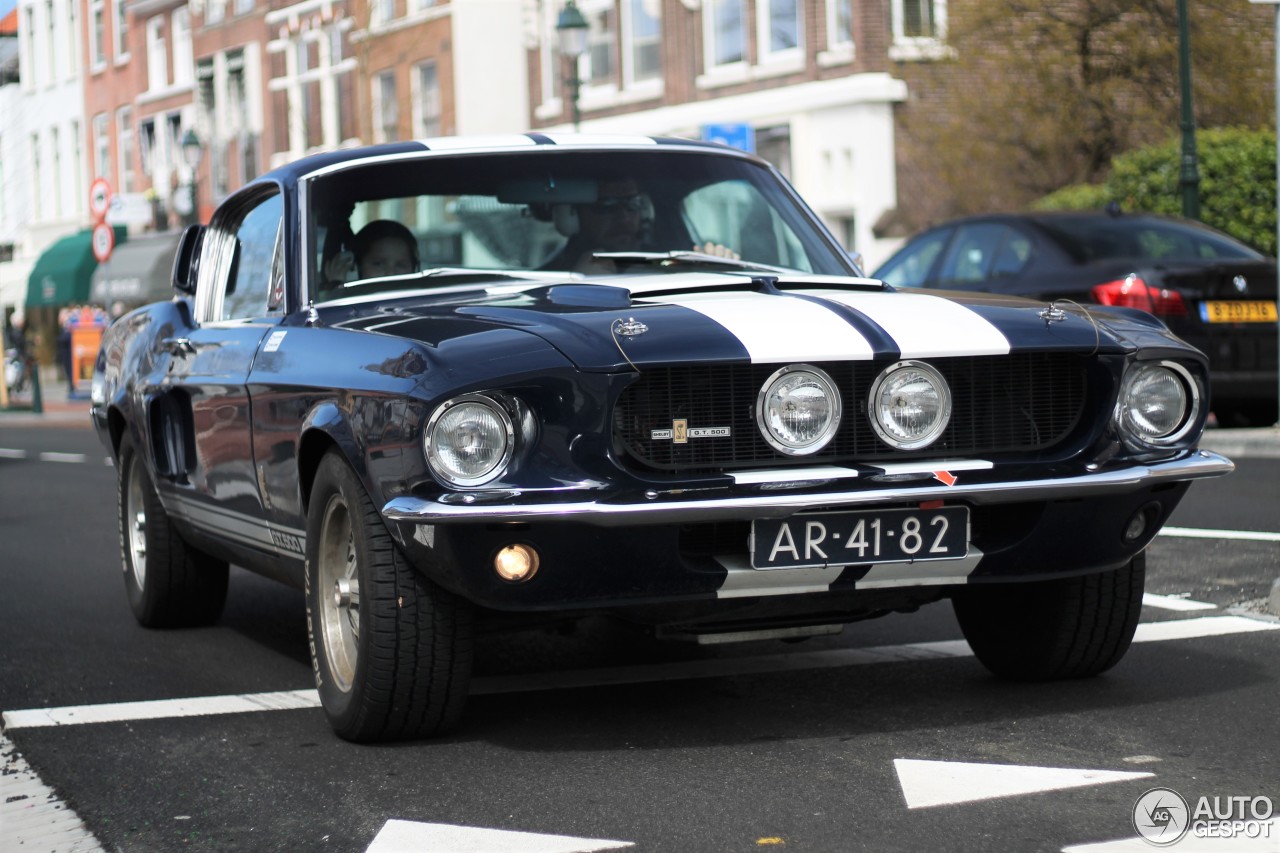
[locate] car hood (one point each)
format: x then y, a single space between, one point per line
616 322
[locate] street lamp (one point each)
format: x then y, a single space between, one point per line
192 152
1190 176
571 28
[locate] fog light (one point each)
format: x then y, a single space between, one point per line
516 563
1141 522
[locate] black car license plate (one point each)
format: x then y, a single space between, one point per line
865 536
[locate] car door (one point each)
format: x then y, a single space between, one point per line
239 300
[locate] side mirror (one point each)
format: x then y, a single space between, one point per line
186 262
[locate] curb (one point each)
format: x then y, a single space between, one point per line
1262 443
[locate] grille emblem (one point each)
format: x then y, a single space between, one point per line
680 432
1242 286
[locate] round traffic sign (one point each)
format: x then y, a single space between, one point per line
99 198
104 240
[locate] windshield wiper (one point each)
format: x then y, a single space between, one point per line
691 258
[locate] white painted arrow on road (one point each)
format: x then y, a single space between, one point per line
406 836
942 783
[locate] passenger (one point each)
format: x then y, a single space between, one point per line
381 248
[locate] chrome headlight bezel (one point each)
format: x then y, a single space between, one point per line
876 415
443 472
1125 406
764 422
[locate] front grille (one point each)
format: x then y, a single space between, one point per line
1000 404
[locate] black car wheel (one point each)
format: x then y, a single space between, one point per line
391 650
1069 628
169 583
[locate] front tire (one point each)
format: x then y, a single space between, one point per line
391 650
1069 628
169 583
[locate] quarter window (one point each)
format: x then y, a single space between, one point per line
256 263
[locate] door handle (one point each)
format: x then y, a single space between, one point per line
178 346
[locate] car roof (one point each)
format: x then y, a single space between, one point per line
316 163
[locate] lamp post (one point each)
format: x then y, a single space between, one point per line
192 152
1190 179
571 28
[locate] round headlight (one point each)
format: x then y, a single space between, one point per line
798 410
469 440
1158 402
910 405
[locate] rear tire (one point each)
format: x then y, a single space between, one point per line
391 650
1069 628
169 583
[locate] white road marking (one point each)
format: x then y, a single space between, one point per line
942 783
1198 533
1265 842
406 836
62 457
1180 629
31 815
1174 602
12 453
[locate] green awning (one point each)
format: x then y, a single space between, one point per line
62 274
136 273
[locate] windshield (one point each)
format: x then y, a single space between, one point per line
414 222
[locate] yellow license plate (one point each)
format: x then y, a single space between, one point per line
1238 312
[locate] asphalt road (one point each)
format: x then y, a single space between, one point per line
603 736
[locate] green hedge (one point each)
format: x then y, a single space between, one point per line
1237 184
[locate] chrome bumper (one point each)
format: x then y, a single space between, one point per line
674 507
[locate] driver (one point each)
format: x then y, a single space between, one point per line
384 247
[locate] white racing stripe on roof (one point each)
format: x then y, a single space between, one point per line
924 326
778 329
598 139
505 140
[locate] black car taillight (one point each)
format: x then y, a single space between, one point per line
1132 292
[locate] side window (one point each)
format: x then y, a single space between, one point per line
1012 255
910 267
735 215
252 286
972 253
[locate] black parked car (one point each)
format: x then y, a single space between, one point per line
450 385
1213 291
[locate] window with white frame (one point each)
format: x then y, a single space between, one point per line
919 28
215 11
51 50
724 28
596 68
426 101
29 52
73 39
101 147
642 39
180 29
37 179
124 147
77 166
385 108
778 29
382 12
120 32
840 25
243 7
157 55
98 37
147 146
55 148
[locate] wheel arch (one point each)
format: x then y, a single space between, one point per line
326 426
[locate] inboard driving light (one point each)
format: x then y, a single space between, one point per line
1158 403
798 410
469 440
909 405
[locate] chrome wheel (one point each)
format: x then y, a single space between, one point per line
136 522
339 587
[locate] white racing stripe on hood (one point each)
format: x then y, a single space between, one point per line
777 328
924 326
